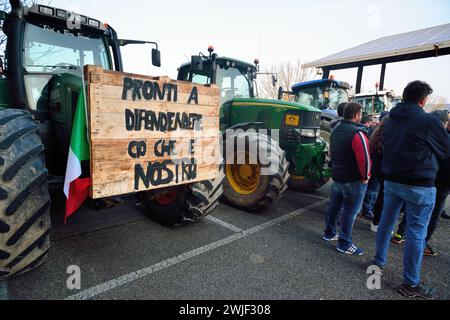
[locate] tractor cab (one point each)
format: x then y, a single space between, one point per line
325 95
376 103
235 78
46 51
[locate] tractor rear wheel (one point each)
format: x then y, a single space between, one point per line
185 204
245 186
24 196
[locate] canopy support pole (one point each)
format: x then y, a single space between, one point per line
326 73
382 75
359 79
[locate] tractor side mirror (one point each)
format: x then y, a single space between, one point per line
156 57
280 93
196 63
274 81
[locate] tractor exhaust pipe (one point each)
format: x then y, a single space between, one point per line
16 8
14 55
16 4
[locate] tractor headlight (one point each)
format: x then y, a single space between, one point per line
62 14
310 133
46 10
80 18
94 23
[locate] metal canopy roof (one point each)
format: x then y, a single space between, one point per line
424 43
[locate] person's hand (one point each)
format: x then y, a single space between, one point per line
365 181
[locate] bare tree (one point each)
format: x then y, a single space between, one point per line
289 73
437 103
6 6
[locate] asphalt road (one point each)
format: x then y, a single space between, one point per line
277 254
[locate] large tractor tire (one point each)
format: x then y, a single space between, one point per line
325 131
185 204
24 196
245 187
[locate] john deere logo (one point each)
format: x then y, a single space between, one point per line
292 120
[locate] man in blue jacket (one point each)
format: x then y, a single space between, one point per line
414 141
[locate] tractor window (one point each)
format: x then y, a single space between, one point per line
49 51
233 83
372 105
200 79
322 97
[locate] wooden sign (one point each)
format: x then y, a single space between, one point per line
150 132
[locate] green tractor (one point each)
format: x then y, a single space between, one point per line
298 129
40 84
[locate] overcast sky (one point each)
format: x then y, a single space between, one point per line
273 31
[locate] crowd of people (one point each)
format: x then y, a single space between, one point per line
399 165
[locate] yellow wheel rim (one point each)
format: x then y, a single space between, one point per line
243 178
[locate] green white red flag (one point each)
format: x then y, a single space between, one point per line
78 181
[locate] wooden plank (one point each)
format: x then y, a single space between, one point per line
109 92
120 182
109 149
145 130
108 126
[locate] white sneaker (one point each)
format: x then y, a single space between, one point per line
373 228
335 238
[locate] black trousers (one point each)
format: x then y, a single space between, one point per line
378 208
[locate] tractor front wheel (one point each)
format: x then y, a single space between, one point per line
24 196
246 186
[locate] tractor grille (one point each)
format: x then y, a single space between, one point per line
309 120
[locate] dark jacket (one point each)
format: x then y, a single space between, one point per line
350 153
443 176
334 123
413 141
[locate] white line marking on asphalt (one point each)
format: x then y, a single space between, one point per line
4 290
314 196
224 224
133 276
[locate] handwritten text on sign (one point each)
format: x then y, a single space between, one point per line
149 133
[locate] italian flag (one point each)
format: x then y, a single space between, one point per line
78 180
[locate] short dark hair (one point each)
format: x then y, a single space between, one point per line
365 119
351 110
416 91
340 109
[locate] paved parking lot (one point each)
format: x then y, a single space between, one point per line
277 254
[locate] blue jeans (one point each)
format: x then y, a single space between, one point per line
346 198
419 203
371 195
